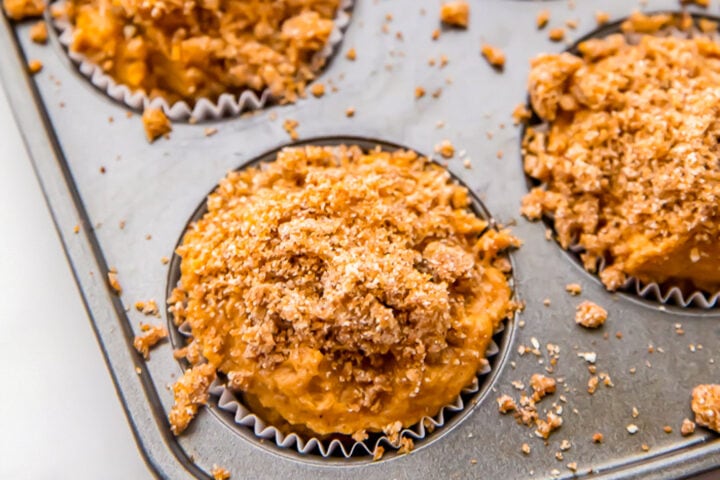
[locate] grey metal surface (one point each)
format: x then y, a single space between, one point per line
155 188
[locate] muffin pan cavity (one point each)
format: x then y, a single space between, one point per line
228 406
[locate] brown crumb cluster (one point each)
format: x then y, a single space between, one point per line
189 393
706 406
629 160
152 334
219 473
156 124
455 13
590 315
494 56
525 410
356 284
186 50
39 32
21 9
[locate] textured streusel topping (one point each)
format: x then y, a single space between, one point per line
629 158
343 291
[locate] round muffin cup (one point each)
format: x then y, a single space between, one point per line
343 446
227 105
651 291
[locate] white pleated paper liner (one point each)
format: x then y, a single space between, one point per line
227 105
656 292
229 401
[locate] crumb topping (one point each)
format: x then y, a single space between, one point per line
219 473
152 334
590 315
354 283
38 32
706 406
156 123
494 56
455 13
629 160
189 392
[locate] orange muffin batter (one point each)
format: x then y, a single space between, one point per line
629 161
343 291
185 50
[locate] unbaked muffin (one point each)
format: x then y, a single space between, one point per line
186 50
342 291
627 159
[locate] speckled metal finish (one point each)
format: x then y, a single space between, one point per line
155 188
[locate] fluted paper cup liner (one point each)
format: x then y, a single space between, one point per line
230 401
227 105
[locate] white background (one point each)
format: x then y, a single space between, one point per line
59 414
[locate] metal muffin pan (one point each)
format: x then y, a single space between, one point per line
155 188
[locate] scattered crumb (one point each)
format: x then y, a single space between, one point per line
556 34
521 114
601 18
151 336
419 92
546 427
210 131
571 24
113 280
667 429
445 148
443 61
494 56
542 19
156 124
149 307
378 453
687 427
39 32
34 66
455 13
76 229
350 112
706 406
573 288
164 260
597 437
219 473
436 34
318 89
290 126
572 466
406 445
190 391
542 386
632 429
590 315
525 448
645 447
506 404
565 445
592 384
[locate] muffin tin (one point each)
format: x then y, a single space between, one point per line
154 189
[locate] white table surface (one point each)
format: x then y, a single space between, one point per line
59 414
